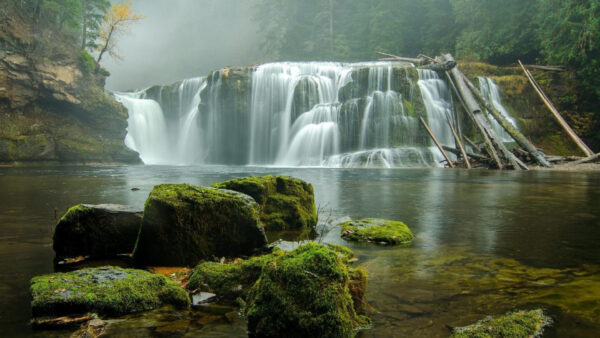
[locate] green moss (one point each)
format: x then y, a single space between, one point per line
105 290
343 251
286 203
230 281
184 224
303 293
377 231
517 324
87 62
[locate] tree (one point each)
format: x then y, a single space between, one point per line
116 23
92 14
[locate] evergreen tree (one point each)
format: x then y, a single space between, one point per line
92 13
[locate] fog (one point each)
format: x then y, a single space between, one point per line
181 39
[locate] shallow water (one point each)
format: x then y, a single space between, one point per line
487 242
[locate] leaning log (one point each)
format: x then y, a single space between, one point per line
473 110
586 150
510 129
458 142
437 143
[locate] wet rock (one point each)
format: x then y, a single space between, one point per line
98 231
105 290
285 203
92 329
516 324
184 224
203 298
375 230
303 293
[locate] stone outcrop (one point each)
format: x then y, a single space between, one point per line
97 231
184 224
52 104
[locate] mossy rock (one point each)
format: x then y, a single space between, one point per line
516 324
232 280
304 293
286 203
109 291
376 230
103 230
184 224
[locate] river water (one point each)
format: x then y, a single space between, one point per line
487 242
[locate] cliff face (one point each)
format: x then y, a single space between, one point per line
52 104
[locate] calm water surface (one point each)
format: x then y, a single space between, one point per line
487 242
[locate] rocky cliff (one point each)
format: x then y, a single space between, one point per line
52 104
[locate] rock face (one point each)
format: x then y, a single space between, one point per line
103 230
106 290
285 203
376 230
184 224
304 293
52 105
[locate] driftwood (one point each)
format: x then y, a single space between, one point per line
472 155
552 68
586 160
392 57
516 135
473 144
437 143
423 61
458 142
586 150
473 111
60 322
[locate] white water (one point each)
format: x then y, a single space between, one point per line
491 93
297 114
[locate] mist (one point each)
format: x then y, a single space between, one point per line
182 39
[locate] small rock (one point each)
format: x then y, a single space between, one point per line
203 298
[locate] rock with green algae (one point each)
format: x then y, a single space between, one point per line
516 324
376 230
304 293
285 202
105 290
232 280
184 224
102 230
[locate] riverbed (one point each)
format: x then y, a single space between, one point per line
487 242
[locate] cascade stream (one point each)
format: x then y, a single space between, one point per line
297 114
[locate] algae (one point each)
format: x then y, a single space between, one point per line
105 290
377 231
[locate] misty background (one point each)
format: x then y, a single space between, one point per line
182 39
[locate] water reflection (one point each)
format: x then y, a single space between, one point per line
463 220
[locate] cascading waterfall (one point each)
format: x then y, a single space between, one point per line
491 93
294 114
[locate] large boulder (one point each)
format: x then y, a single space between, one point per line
285 203
105 290
306 293
102 230
184 224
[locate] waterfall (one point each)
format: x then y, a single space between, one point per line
296 114
491 93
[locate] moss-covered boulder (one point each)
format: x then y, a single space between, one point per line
184 224
105 290
516 324
376 230
303 293
102 230
285 203
232 280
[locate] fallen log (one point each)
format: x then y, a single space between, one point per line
60 322
586 150
437 143
392 57
516 135
458 142
473 110
472 155
586 160
552 68
473 144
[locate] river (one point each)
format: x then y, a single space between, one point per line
487 242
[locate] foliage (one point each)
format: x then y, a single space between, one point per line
115 23
87 61
93 12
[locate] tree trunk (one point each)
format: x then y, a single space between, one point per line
586 150
516 135
84 24
437 143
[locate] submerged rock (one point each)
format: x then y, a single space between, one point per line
184 224
379 231
285 203
516 324
102 230
304 293
105 290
